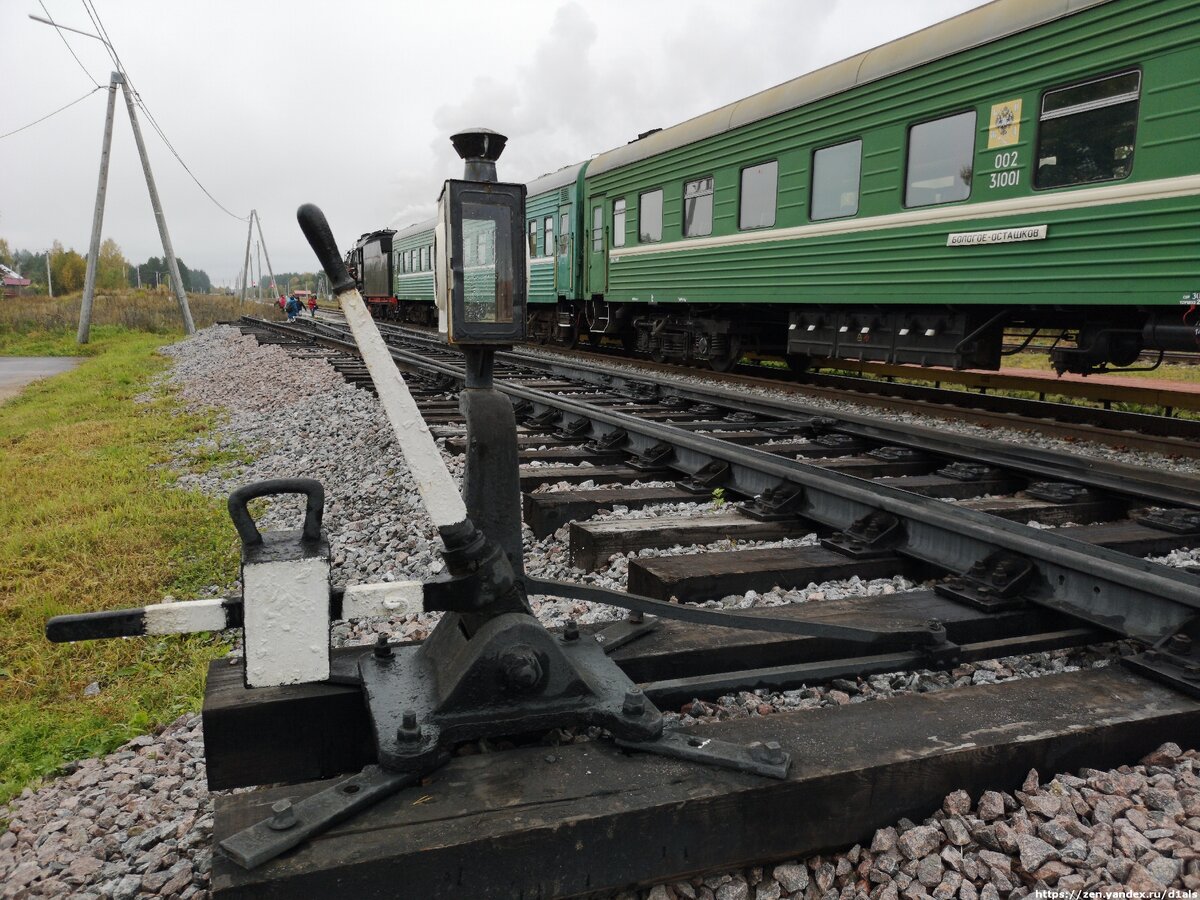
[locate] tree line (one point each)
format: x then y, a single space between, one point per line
68 269
287 282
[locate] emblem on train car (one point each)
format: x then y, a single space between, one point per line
1005 129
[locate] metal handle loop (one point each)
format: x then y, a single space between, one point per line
313 513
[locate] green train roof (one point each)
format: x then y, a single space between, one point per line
415 228
554 180
970 29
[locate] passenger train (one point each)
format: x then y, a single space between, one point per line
1030 166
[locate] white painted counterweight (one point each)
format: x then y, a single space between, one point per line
439 493
286 621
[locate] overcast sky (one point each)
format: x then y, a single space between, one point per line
350 104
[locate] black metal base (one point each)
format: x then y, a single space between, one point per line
510 677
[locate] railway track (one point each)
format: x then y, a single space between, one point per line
1020 551
1166 434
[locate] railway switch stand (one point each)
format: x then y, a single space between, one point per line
489 668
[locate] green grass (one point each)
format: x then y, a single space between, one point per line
46 326
89 520
1165 372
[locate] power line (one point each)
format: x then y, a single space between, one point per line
55 113
67 44
94 15
154 124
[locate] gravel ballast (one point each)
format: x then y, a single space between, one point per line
137 823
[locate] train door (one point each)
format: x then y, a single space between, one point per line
563 284
597 270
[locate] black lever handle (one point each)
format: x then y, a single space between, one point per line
320 238
313 513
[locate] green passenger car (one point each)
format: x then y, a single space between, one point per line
412 272
553 238
1028 164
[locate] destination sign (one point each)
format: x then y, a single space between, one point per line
999 236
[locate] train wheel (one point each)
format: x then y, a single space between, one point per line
534 333
729 359
798 363
577 333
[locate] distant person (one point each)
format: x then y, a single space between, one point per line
312 305
293 308
282 303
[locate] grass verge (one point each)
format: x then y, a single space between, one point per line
45 326
89 520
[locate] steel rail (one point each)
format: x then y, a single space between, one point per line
1109 589
1163 433
1112 590
1156 486
1159 487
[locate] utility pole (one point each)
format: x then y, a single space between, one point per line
93 257
189 327
49 282
246 264
254 214
258 281
89 284
89 291
139 271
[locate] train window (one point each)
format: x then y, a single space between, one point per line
564 227
533 237
400 262
1086 131
425 258
597 229
698 207
650 208
835 181
548 240
940 155
618 232
759 185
